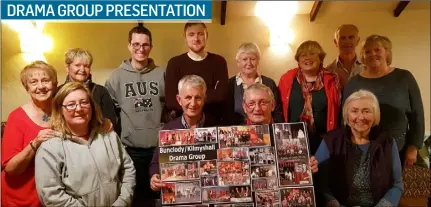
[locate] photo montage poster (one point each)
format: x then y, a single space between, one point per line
246 163
294 174
182 156
236 166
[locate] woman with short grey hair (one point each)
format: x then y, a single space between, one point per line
247 60
359 163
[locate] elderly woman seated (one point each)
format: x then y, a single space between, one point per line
81 165
359 163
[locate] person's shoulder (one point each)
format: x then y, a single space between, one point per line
112 136
289 74
179 57
216 57
116 73
159 70
52 145
403 73
16 114
232 79
335 134
267 80
99 87
331 67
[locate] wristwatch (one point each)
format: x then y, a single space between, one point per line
33 145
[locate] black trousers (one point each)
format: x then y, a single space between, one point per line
141 157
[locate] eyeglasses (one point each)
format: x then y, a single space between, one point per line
262 103
137 46
72 106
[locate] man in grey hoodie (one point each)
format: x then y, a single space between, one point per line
138 89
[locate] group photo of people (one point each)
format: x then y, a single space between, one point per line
181 192
237 136
328 121
179 171
216 195
260 184
233 154
290 143
267 199
205 135
294 172
176 138
234 173
263 171
208 167
209 180
262 156
235 205
188 192
297 197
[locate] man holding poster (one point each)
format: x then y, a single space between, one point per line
191 98
258 103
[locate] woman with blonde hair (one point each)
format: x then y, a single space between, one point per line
26 129
398 94
82 165
78 67
359 163
309 94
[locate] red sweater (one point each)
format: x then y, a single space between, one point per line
213 69
18 190
331 90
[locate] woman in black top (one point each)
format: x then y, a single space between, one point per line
402 113
78 67
247 59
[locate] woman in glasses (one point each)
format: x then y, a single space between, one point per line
78 67
82 165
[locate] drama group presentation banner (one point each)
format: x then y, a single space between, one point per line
106 10
247 166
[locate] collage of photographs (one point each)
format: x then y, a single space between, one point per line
244 136
183 137
292 154
184 179
252 167
294 174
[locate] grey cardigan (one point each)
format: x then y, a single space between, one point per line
69 173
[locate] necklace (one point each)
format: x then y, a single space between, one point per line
45 118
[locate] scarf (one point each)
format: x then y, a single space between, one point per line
307 87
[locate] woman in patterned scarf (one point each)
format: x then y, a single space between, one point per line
311 95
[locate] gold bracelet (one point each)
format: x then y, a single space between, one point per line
32 146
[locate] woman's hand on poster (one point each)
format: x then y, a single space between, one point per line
155 183
313 164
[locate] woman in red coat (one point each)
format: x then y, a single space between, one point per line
309 94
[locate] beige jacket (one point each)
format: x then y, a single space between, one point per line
69 173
